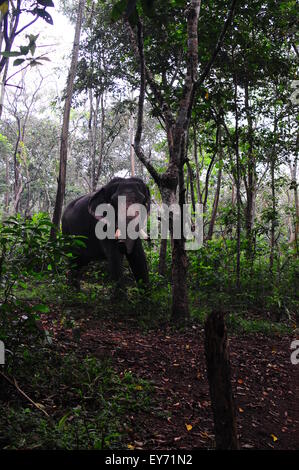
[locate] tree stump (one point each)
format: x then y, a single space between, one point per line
219 377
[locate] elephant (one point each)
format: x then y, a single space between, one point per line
80 217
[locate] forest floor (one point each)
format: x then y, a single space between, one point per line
265 383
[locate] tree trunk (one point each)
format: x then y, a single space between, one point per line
17 175
2 91
273 196
92 136
6 197
251 180
215 205
294 186
217 193
238 179
177 127
196 167
273 216
162 257
65 124
190 173
219 377
101 103
131 139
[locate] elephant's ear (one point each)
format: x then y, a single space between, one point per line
95 200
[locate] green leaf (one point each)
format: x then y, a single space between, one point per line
41 308
118 10
4 7
62 421
44 15
18 62
34 62
46 3
147 7
24 50
80 243
48 60
11 53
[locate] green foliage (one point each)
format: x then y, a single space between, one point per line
26 253
212 272
90 403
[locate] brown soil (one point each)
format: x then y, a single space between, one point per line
264 381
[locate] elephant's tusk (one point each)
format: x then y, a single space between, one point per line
143 234
117 234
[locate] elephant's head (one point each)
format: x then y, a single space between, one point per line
126 196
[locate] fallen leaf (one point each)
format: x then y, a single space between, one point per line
241 410
274 437
188 427
138 387
131 447
139 444
240 381
204 434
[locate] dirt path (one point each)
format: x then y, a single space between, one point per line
265 385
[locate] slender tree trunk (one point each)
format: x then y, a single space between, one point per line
296 197
251 183
6 197
2 88
131 139
215 205
162 257
65 124
209 171
195 153
101 104
238 181
91 138
190 173
273 217
217 193
273 196
17 175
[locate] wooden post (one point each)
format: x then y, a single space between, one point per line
219 377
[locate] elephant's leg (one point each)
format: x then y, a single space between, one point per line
75 272
115 262
115 268
138 264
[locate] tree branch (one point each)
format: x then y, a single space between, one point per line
139 127
165 111
208 67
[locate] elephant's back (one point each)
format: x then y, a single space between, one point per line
76 219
